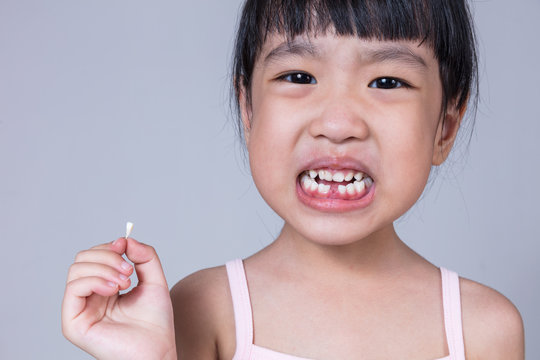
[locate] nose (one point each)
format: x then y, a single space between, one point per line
341 117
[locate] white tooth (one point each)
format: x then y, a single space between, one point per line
368 181
359 186
322 174
350 189
313 186
358 176
338 177
349 176
129 228
328 176
313 174
342 189
306 182
323 188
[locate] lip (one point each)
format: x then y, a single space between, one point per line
335 205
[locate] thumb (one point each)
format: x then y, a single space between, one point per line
146 261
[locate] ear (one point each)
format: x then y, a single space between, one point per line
446 133
245 110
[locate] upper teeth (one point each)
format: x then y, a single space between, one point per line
339 176
325 175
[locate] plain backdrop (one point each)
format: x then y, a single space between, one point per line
117 110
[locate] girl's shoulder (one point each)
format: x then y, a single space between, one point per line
204 315
492 325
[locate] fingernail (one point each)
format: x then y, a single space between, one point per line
114 242
111 284
123 277
125 266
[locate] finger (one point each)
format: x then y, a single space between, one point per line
118 246
146 261
78 290
106 257
88 269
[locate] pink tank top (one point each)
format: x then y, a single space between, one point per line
246 350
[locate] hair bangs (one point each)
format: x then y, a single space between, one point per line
367 19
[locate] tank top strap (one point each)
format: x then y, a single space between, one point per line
243 317
452 314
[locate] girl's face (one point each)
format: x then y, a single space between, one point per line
342 132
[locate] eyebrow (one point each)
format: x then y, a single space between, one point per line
385 53
292 48
394 53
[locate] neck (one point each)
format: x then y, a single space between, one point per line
381 253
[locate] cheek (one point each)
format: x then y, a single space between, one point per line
266 121
270 146
275 127
409 157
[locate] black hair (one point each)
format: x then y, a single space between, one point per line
444 25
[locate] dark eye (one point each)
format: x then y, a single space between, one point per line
387 83
299 78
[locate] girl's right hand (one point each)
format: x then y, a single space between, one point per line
134 325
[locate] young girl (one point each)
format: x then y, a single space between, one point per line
344 107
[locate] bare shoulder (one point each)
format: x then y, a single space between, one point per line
492 325
203 315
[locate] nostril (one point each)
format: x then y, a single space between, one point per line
340 140
344 127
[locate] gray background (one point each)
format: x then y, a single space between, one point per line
117 110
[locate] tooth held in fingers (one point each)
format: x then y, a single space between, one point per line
129 228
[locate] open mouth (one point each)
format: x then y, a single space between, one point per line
344 184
